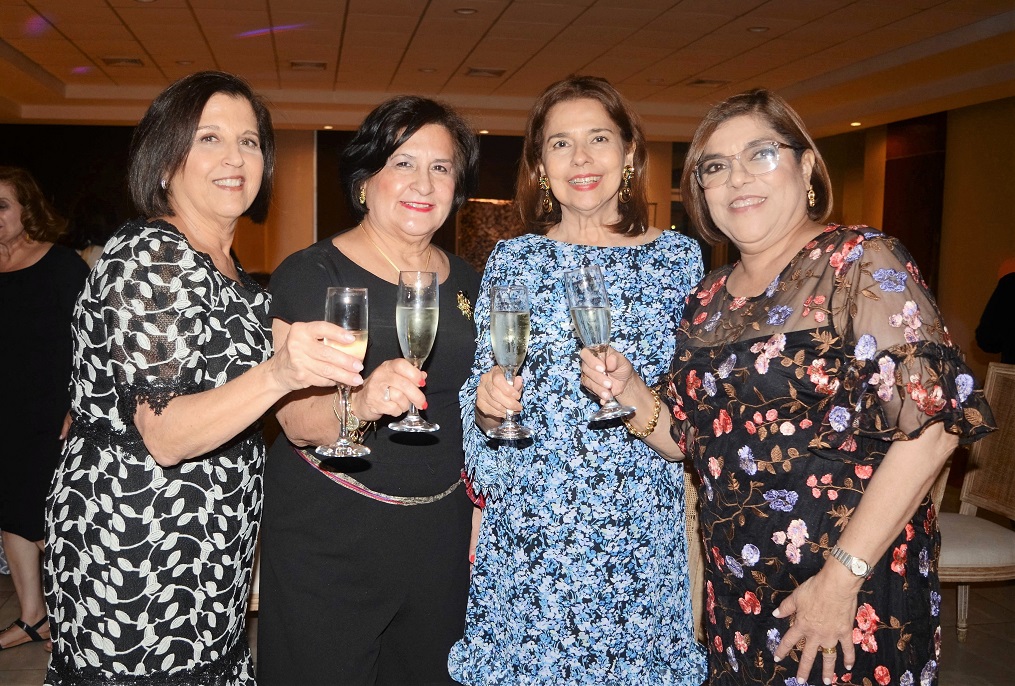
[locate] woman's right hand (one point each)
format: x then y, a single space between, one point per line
495 396
303 359
389 390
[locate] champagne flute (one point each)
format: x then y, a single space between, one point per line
346 307
590 312
416 315
509 334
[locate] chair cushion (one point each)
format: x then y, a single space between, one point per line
969 542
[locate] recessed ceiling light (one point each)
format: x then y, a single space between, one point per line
122 62
465 11
707 83
483 73
328 127
307 65
185 63
483 132
855 123
758 29
427 70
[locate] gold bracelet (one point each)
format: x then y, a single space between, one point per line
356 429
651 426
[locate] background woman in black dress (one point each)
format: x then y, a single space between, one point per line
39 282
365 572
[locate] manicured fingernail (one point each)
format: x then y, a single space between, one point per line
775 613
848 667
423 406
828 682
472 558
777 658
422 382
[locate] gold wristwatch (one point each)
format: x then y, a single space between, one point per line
855 565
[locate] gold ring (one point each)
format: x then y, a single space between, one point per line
828 651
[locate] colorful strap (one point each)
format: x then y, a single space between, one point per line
352 484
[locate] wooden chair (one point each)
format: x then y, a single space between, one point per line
695 551
974 549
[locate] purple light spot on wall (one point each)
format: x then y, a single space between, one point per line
80 70
268 30
35 26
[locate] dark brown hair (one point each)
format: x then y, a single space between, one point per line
164 136
777 113
529 196
392 123
40 220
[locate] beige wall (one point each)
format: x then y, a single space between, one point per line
978 223
292 220
660 165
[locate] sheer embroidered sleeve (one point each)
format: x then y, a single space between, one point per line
902 370
155 296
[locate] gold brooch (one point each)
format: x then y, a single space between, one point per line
464 305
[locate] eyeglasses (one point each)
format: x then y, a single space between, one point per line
757 159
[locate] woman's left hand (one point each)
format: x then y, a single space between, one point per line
821 610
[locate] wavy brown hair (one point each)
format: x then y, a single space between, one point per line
41 221
774 111
529 196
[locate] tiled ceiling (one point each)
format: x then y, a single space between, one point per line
328 62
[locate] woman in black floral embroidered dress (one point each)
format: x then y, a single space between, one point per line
153 514
818 393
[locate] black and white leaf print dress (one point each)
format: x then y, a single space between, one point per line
148 568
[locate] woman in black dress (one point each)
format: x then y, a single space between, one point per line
818 393
365 570
153 515
39 282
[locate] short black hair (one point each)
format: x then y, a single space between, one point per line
164 136
392 123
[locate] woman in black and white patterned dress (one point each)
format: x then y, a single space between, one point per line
154 511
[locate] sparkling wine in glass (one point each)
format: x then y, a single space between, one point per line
590 312
509 334
416 315
347 307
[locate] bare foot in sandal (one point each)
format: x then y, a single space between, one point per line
20 633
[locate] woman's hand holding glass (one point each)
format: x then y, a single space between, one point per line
347 307
389 390
303 360
417 313
590 312
496 396
606 374
509 336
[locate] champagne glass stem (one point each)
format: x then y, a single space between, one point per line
343 392
510 415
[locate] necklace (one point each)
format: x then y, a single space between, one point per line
429 253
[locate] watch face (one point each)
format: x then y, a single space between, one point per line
859 567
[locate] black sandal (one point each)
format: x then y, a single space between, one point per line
31 631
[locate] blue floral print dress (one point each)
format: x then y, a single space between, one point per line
794 397
581 568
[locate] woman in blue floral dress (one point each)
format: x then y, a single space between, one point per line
818 393
580 574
